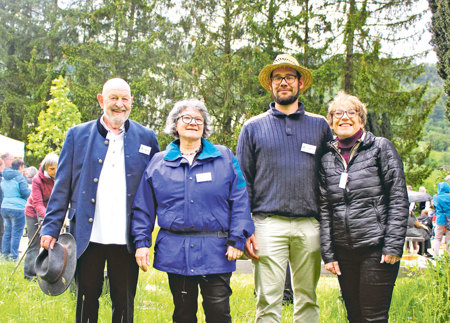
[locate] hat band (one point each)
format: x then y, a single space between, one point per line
64 264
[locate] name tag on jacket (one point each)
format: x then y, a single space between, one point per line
204 177
145 149
310 149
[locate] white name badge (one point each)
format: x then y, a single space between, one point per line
343 180
310 149
204 177
145 149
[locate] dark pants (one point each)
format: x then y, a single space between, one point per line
215 291
122 275
366 284
33 248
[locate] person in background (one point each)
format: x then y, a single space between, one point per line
29 173
8 158
279 152
441 202
99 169
6 161
364 211
417 229
41 189
15 193
2 166
199 194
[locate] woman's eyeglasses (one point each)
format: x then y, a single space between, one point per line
340 113
186 118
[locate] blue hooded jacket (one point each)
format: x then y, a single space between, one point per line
202 209
441 202
15 190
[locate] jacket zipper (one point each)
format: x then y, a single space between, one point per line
346 165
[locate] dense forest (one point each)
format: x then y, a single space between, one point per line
55 56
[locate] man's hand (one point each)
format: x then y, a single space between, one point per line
143 258
333 267
233 253
251 248
389 259
47 242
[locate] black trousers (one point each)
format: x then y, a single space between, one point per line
122 275
215 291
366 284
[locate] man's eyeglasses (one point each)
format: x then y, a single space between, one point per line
186 118
340 113
277 79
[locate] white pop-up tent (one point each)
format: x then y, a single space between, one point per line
15 147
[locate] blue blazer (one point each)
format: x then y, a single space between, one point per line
79 167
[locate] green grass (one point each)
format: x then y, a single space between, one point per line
421 296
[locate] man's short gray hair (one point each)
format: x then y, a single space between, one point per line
175 113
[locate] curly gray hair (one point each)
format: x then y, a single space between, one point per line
178 108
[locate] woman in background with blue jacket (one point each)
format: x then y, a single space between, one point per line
199 194
15 193
441 202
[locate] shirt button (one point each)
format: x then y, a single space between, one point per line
100 161
192 246
95 180
92 201
91 220
190 178
192 270
192 201
106 142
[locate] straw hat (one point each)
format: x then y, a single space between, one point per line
284 60
55 267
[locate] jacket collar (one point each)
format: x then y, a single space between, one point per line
208 151
366 140
277 113
103 131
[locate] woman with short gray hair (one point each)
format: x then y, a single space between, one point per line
363 211
41 189
199 194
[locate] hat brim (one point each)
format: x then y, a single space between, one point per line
60 286
266 72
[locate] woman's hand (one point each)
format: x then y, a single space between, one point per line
389 259
142 258
333 267
233 253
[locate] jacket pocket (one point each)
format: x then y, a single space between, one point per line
72 210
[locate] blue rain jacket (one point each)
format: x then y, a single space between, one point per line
202 209
441 202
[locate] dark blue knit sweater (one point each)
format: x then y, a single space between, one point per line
281 178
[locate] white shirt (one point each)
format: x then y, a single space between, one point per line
110 219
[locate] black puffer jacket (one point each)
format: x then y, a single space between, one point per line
372 210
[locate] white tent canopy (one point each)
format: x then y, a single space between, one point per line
15 147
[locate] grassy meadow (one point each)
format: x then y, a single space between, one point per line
420 296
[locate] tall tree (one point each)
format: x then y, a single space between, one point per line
54 122
440 29
31 34
119 38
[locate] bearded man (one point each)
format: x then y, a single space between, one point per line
99 171
279 152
